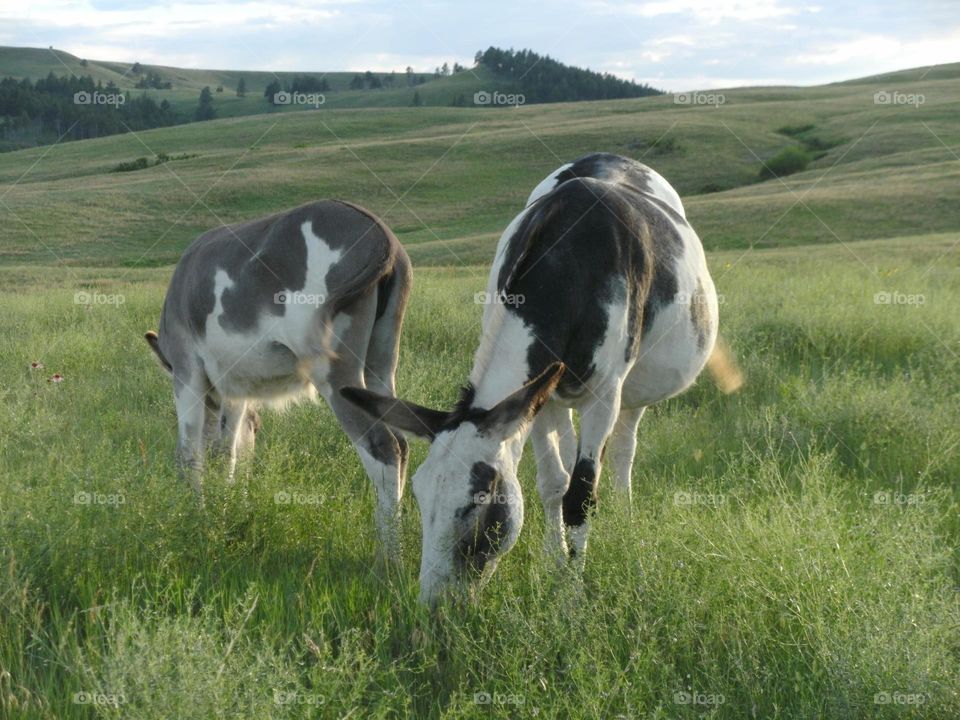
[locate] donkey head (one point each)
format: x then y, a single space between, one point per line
467 489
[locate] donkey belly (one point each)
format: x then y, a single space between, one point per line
251 366
675 348
272 358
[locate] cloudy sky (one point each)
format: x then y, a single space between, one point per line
671 44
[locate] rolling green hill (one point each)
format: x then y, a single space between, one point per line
22 62
790 551
931 72
438 174
34 63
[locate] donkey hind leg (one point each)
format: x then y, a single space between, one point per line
552 428
233 419
597 420
623 448
377 446
211 422
190 387
247 435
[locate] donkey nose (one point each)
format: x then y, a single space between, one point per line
429 598
433 586
430 595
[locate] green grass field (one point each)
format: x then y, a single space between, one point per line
791 551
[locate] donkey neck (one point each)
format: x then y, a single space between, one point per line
500 365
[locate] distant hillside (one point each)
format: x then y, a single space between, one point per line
37 89
948 71
36 63
869 170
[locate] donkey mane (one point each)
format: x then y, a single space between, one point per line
517 253
464 411
465 402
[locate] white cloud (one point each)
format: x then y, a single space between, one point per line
706 11
176 17
690 83
685 40
882 50
653 56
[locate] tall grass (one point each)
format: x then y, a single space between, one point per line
790 552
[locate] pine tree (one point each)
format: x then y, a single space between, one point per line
271 90
205 109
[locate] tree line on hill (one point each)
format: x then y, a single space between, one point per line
541 79
299 84
74 108
361 81
153 80
372 81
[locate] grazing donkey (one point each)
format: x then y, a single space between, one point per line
602 303
270 310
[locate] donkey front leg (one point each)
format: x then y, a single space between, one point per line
596 423
552 429
382 453
190 392
379 377
382 457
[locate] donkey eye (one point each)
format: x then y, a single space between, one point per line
467 509
482 488
483 481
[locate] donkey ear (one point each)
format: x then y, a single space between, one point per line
400 414
516 410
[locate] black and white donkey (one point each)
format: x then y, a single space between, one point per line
619 311
272 310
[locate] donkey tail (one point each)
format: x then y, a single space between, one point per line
724 369
153 340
